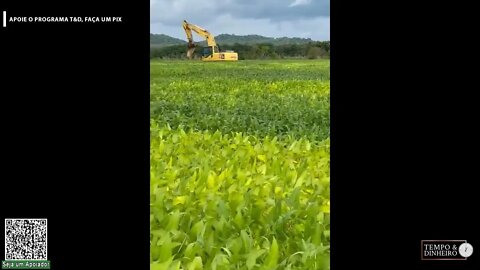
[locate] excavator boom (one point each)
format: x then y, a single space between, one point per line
202 32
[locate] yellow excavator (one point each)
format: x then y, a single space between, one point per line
211 52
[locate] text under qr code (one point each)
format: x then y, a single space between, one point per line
25 239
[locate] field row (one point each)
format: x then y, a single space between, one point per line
170 71
262 105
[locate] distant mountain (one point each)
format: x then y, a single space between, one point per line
255 39
160 40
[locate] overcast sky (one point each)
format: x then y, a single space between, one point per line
272 18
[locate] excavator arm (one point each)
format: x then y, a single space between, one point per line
188 27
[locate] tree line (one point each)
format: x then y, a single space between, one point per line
312 50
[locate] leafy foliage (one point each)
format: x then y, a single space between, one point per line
250 51
257 39
274 98
238 202
240 165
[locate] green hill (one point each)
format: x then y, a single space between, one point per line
256 39
160 40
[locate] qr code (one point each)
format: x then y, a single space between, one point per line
25 239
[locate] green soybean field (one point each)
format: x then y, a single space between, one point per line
240 165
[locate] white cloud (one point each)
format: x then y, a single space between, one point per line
299 3
273 18
316 28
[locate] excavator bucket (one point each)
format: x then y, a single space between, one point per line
191 49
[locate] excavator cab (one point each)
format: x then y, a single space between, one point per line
207 51
210 50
